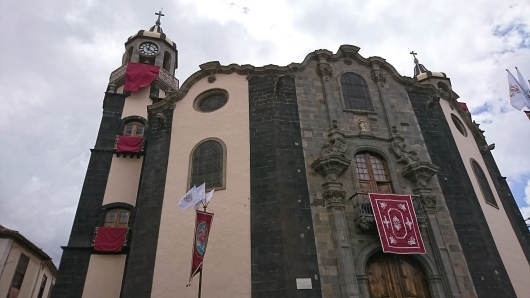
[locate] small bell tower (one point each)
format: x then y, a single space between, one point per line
152 47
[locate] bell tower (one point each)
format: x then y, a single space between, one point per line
114 234
152 47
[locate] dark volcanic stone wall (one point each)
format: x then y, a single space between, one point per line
140 264
282 236
76 256
483 259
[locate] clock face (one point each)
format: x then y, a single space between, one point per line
148 48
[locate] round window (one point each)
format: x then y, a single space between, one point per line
211 100
459 125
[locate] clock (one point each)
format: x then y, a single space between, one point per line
148 49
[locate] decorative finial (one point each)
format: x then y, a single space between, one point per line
159 14
414 55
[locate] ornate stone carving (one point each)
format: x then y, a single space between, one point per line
324 70
211 78
362 125
398 147
379 77
420 173
161 119
435 99
347 61
331 164
486 148
334 197
428 203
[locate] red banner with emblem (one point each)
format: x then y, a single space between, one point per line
397 224
203 223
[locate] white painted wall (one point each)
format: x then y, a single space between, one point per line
104 276
124 177
227 260
505 239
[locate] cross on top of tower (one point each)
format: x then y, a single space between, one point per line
159 14
414 55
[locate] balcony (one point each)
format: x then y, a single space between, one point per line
121 241
164 81
364 214
131 150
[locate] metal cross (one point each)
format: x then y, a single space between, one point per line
413 54
159 14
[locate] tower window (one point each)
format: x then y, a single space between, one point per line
483 182
372 173
208 163
117 218
167 61
459 125
133 129
355 92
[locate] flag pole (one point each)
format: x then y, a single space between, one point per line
200 282
202 265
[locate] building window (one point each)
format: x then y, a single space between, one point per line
207 166
42 286
355 92
459 125
483 182
372 173
211 100
18 277
117 218
133 129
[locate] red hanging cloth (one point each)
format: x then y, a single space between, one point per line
110 239
397 224
129 144
138 75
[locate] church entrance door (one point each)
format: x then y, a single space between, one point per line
396 276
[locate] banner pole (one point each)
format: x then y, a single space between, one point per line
200 282
202 266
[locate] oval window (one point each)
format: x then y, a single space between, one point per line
211 100
459 125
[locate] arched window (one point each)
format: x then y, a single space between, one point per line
355 92
167 61
116 218
133 129
208 165
128 55
372 173
483 182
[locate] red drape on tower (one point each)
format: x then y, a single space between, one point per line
464 106
110 239
138 75
129 144
397 224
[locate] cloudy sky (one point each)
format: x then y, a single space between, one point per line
56 57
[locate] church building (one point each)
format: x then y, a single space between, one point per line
293 153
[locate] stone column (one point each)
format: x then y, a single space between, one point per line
331 164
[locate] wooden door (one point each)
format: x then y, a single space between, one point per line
396 276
